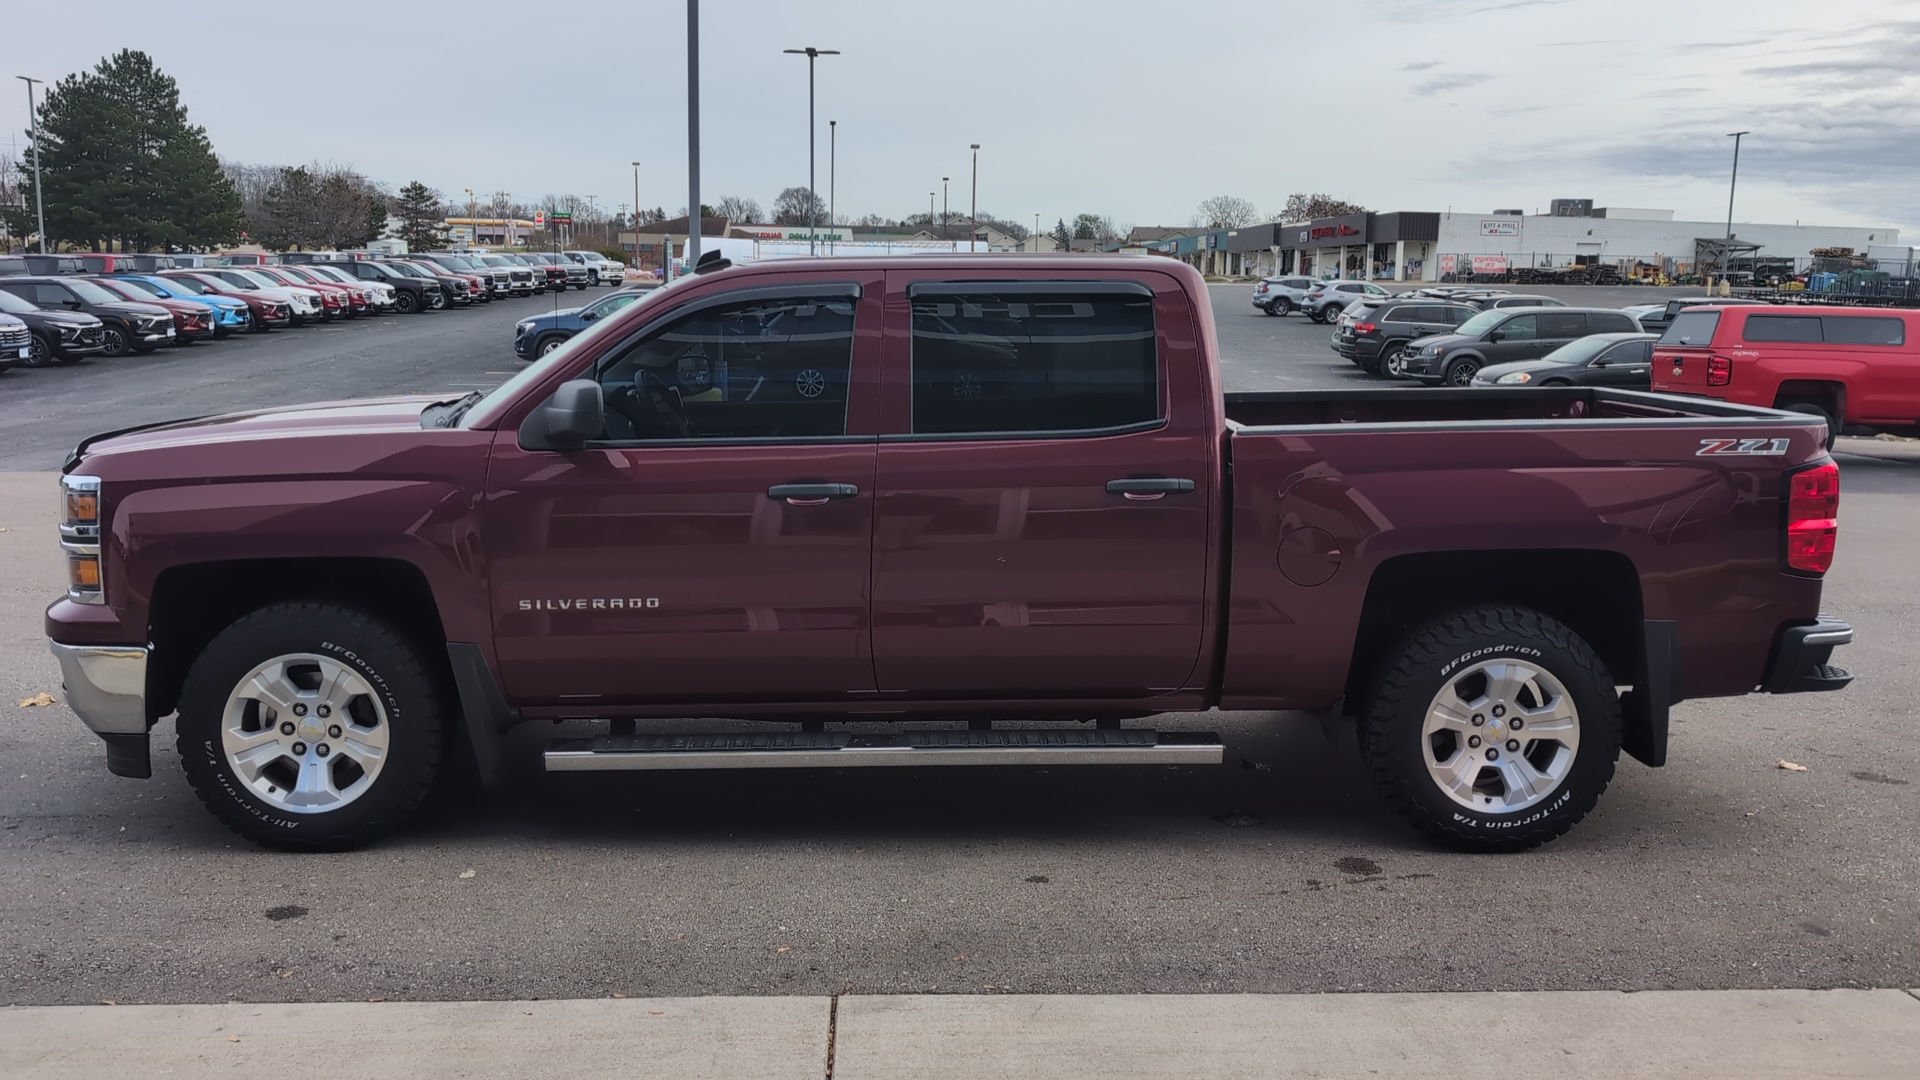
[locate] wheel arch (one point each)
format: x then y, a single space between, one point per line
1827 394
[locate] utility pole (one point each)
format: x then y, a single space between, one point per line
1726 253
39 205
813 198
973 212
833 158
929 209
693 138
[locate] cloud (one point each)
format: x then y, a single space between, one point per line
1891 54
1420 65
1442 84
1510 5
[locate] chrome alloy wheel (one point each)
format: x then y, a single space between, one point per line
305 733
810 383
1500 736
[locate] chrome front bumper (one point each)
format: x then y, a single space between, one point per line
106 685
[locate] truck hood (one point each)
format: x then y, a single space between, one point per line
365 415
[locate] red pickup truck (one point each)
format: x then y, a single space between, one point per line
956 493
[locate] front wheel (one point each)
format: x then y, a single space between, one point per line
311 727
113 341
1461 372
1493 729
39 353
550 343
406 303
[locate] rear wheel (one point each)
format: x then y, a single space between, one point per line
311 727
1377 363
1271 307
1493 729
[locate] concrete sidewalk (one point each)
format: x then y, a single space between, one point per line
1708 1035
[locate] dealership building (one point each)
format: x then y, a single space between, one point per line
1424 246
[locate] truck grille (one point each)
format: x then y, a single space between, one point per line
523 275
14 339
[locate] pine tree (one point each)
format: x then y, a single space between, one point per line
122 162
418 208
1060 236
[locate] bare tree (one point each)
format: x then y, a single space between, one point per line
738 208
1227 212
798 206
1304 207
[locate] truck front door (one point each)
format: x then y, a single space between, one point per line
1042 523
716 545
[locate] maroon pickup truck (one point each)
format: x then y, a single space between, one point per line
1001 502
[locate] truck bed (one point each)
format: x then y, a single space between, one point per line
1295 408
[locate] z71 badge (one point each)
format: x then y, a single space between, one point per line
1742 447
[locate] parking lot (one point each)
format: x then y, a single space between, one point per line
1282 872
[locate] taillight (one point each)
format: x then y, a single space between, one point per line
1364 328
1813 508
1260 288
1719 371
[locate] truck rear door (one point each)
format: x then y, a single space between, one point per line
1044 484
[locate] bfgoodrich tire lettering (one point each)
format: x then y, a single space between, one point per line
1414 681
391 668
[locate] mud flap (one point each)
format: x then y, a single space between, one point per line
1656 688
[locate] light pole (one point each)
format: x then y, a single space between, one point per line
693 142
973 211
1726 253
813 200
945 218
833 158
636 215
39 206
1036 232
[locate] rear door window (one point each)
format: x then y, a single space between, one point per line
998 358
1691 328
1562 324
1862 330
1783 328
1609 322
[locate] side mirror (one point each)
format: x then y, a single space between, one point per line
1496 336
576 412
589 316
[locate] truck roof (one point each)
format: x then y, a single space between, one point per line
1052 265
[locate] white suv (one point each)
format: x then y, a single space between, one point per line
1327 300
600 269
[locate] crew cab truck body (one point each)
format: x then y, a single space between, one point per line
936 489
1858 369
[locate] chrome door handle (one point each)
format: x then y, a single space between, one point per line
811 494
1149 488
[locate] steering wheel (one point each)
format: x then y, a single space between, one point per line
665 403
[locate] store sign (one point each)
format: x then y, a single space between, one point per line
1326 231
787 234
1489 264
1449 263
1329 232
1499 227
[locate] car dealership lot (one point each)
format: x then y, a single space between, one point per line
1280 872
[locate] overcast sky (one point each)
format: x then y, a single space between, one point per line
1134 108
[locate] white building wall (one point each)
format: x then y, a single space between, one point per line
1562 238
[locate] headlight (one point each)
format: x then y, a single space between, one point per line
521 328
80 537
1513 379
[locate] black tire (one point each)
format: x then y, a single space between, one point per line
39 353
1271 308
1285 305
1461 372
1809 408
408 689
1556 382
406 303
1430 660
1378 365
113 341
548 343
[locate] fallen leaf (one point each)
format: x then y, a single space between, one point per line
288 972
656 1012
959 958
1790 766
233 1038
376 999
622 996
464 874
42 698
109 1003
676 937
784 948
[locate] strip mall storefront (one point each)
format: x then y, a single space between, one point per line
1386 247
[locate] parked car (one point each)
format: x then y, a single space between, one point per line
1368 333
54 264
379 294
335 301
230 314
305 304
543 333
1662 317
1326 300
561 271
1281 295
191 321
521 279
498 279
126 326
269 310
16 341
479 281
11 265
703 506
1857 369
241 258
1619 360
461 289
59 336
1512 300
358 295
413 293
595 263
1502 336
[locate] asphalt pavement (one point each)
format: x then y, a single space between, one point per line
1279 873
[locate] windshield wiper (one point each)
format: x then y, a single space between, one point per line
455 409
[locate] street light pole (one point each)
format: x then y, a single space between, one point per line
694 219
39 205
1726 253
929 209
973 212
833 159
813 199
636 215
946 219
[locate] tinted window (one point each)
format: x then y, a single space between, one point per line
1691 328
1520 328
1403 314
1351 288
1461 314
51 294
1629 352
1562 324
1863 330
1013 361
1782 328
1607 322
761 369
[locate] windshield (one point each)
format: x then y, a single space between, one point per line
255 280
1691 328
12 303
507 391
120 289
455 261
1580 350
149 287
91 293
494 260
1483 322
332 274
